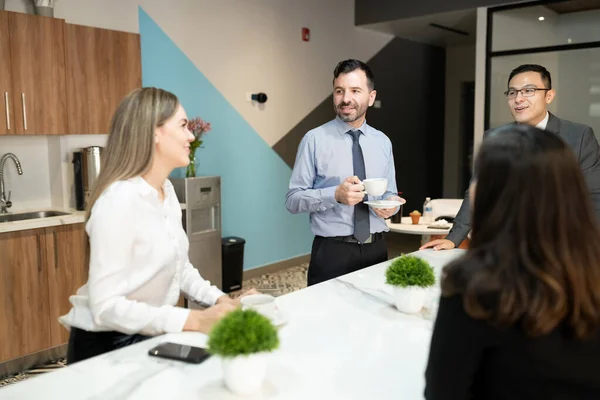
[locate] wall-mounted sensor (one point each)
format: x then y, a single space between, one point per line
260 97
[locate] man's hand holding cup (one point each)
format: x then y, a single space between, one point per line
350 192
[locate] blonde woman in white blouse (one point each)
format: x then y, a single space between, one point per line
138 250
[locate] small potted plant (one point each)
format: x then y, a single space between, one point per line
411 277
243 339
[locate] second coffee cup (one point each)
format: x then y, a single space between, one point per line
262 303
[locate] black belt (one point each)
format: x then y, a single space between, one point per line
373 237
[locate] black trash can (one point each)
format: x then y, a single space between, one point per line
232 252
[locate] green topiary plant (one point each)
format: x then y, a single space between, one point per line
242 332
410 271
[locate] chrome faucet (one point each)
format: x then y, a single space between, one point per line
5 202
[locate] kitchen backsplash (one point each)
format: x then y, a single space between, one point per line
47 180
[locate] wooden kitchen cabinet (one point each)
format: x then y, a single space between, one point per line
37 57
24 312
103 66
67 271
39 270
58 78
7 123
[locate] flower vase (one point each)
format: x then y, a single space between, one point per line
190 171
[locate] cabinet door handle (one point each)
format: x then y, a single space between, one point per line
39 246
55 244
7 111
24 111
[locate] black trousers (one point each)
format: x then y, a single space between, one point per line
330 258
84 344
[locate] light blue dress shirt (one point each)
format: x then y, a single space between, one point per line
323 161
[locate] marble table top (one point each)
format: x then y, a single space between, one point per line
344 339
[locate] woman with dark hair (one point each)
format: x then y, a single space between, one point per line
520 312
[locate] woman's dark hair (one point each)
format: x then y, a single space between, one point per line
534 257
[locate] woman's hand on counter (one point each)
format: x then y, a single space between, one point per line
204 320
237 301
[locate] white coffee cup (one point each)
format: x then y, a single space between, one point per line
262 303
375 186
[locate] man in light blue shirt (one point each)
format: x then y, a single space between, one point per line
326 182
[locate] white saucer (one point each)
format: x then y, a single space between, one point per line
384 203
280 319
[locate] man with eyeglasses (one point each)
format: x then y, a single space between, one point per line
529 93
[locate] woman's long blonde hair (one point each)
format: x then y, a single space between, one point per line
130 147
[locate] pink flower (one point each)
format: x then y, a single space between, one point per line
198 127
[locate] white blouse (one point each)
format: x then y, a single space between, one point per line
138 264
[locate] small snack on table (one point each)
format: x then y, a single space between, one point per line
415 216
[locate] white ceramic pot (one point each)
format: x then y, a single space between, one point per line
244 375
410 299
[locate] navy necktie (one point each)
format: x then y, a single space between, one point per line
362 229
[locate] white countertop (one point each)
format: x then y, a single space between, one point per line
74 217
420 229
344 340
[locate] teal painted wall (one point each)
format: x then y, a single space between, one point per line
254 178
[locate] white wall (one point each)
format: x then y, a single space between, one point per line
460 67
32 189
249 46
520 28
47 179
241 46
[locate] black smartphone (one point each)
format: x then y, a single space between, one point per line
181 352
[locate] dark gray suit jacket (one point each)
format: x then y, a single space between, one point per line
585 146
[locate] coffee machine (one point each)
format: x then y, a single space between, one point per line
86 167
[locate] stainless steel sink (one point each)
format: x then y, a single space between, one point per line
31 215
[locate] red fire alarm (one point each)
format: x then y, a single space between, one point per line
305 34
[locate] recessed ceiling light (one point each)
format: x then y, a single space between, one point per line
541 18
569 40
